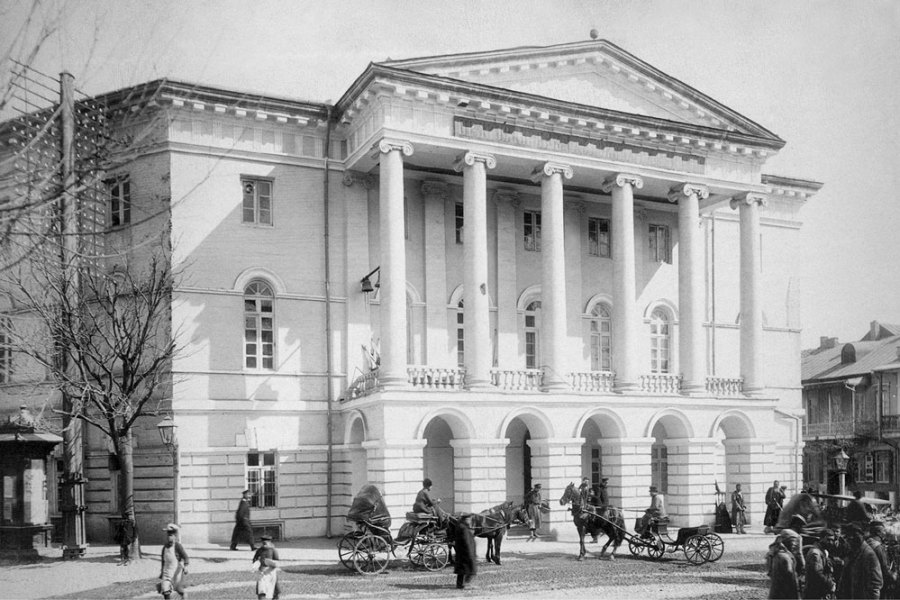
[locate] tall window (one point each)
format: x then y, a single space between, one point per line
532 335
259 326
659 342
659 467
596 464
6 355
460 222
882 467
257 206
460 336
598 238
533 231
659 243
119 190
261 479
601 338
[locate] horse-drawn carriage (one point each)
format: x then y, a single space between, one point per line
369 545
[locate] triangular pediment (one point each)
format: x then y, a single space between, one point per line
595 74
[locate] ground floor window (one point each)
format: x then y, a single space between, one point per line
596 465
659 467
261 479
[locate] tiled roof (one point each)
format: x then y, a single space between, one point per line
825 364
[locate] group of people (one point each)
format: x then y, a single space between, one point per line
853 566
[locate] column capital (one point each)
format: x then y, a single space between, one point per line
386 145
684 190
509 196
435 189
468 159
748 198
353 177
550 168
621 180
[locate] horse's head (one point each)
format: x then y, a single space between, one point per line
570 495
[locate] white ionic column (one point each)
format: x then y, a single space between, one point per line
553 274
393 261
751 304
507 283
476 305
692 352
434 195
624 318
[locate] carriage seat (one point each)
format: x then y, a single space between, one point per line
414 517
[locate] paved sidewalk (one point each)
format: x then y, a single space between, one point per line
53 576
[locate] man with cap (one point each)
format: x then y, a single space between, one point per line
243 530
266 561
875 539
785 562
174 562
656 510
862 577
424 503
856 512
820 566
533 508
584 490
737 509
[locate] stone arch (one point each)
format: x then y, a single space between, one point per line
536 421
665 304
595 427
595 300
734 424
458 421
676 423
356 431
252 273
457 295
609 422
413 295
438 431
532 292
354 425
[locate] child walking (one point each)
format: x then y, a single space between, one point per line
174 564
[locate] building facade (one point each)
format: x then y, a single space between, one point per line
492 269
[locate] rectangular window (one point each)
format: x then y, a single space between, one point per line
6 352
459 223
257 205
882 467
598 238
596 465
261 479
533 231
870 467
659 243
119 192
659 467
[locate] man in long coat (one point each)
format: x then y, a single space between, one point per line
861 577
774 501
737 509
533 508
464 544
820 576
243 530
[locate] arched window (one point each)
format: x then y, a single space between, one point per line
660 341
259 326
601 338
533 335
460 336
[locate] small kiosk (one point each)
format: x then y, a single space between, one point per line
24 450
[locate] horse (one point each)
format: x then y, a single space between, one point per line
613 524
490 524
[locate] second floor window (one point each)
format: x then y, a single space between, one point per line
460 222
598 238
259 326
659 342
659 243
601 339
532 335
119 191
261 479
257 204
533 231
6 354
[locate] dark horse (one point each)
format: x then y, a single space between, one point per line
490 524
586 521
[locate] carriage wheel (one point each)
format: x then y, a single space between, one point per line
635 546
717 546
655 546
697 549
347 548
417 552
435 557
372 555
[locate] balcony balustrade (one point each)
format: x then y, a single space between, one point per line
592 381
661 383
725 386
517 379
841 429
436 378
363 385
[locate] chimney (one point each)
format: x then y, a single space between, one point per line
826 342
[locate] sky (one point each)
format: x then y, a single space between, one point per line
823 75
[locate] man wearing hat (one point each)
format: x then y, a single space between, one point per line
875 539
862 577
243 530
424 503
266 559
820 566
533 508
174 562
656 510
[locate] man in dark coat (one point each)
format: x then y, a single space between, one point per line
875 540
125 532
737 509
774 500
856 511
243 530
533 508
424 504
820 579
861 577
464 544
786 564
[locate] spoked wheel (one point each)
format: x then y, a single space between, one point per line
635 546
435 557
347 548
716 545
697 550
417 552
655 547
372 555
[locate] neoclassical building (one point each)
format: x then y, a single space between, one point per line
493 269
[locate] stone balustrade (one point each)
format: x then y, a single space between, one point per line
725 386
436 378
517 379
592 381
363 385
661 383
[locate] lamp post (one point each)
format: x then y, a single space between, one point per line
840 462
167 432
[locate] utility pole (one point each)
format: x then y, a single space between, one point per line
72 505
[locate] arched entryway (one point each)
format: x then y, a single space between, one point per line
518 460
356 454
438 461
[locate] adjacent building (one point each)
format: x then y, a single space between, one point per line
494 269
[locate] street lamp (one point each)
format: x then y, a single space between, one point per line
169 436
840 463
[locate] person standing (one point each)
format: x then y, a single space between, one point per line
424 504
464 544
737 509
533 508
174 562
266 559
856 511
243 529
786 565
861 577
875 539
820 576
774 499
124 537
656 510
584 491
